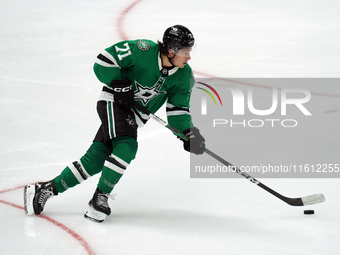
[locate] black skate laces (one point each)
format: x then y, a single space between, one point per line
45 195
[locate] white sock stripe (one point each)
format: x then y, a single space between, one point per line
120 161
76 173
84 170
114 167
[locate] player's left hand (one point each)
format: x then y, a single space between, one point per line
196 142
123 93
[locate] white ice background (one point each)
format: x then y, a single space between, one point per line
48 119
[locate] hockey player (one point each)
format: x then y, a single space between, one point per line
141 71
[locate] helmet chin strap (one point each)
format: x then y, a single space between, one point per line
170 59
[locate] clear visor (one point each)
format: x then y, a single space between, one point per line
186 52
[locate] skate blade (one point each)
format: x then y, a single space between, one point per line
94 215
29 192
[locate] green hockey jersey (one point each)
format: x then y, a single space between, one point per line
153 85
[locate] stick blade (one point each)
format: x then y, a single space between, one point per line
313 199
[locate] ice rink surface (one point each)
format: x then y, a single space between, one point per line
48 119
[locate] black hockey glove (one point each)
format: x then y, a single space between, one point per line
122 93
196 142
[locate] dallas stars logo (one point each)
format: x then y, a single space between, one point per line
143 45
131 121
145 94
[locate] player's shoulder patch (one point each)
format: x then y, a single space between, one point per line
143 45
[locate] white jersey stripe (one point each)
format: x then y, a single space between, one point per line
110 57
175 113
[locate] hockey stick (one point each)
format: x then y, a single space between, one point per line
300 201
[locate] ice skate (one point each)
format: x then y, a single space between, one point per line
36 196
98 206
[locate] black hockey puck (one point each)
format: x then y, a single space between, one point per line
308 211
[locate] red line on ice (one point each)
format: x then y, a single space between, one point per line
8 190
124 37
122 17
76 236
56 223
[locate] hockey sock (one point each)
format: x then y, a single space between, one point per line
124 151
90 164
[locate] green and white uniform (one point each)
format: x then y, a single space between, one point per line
153 85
